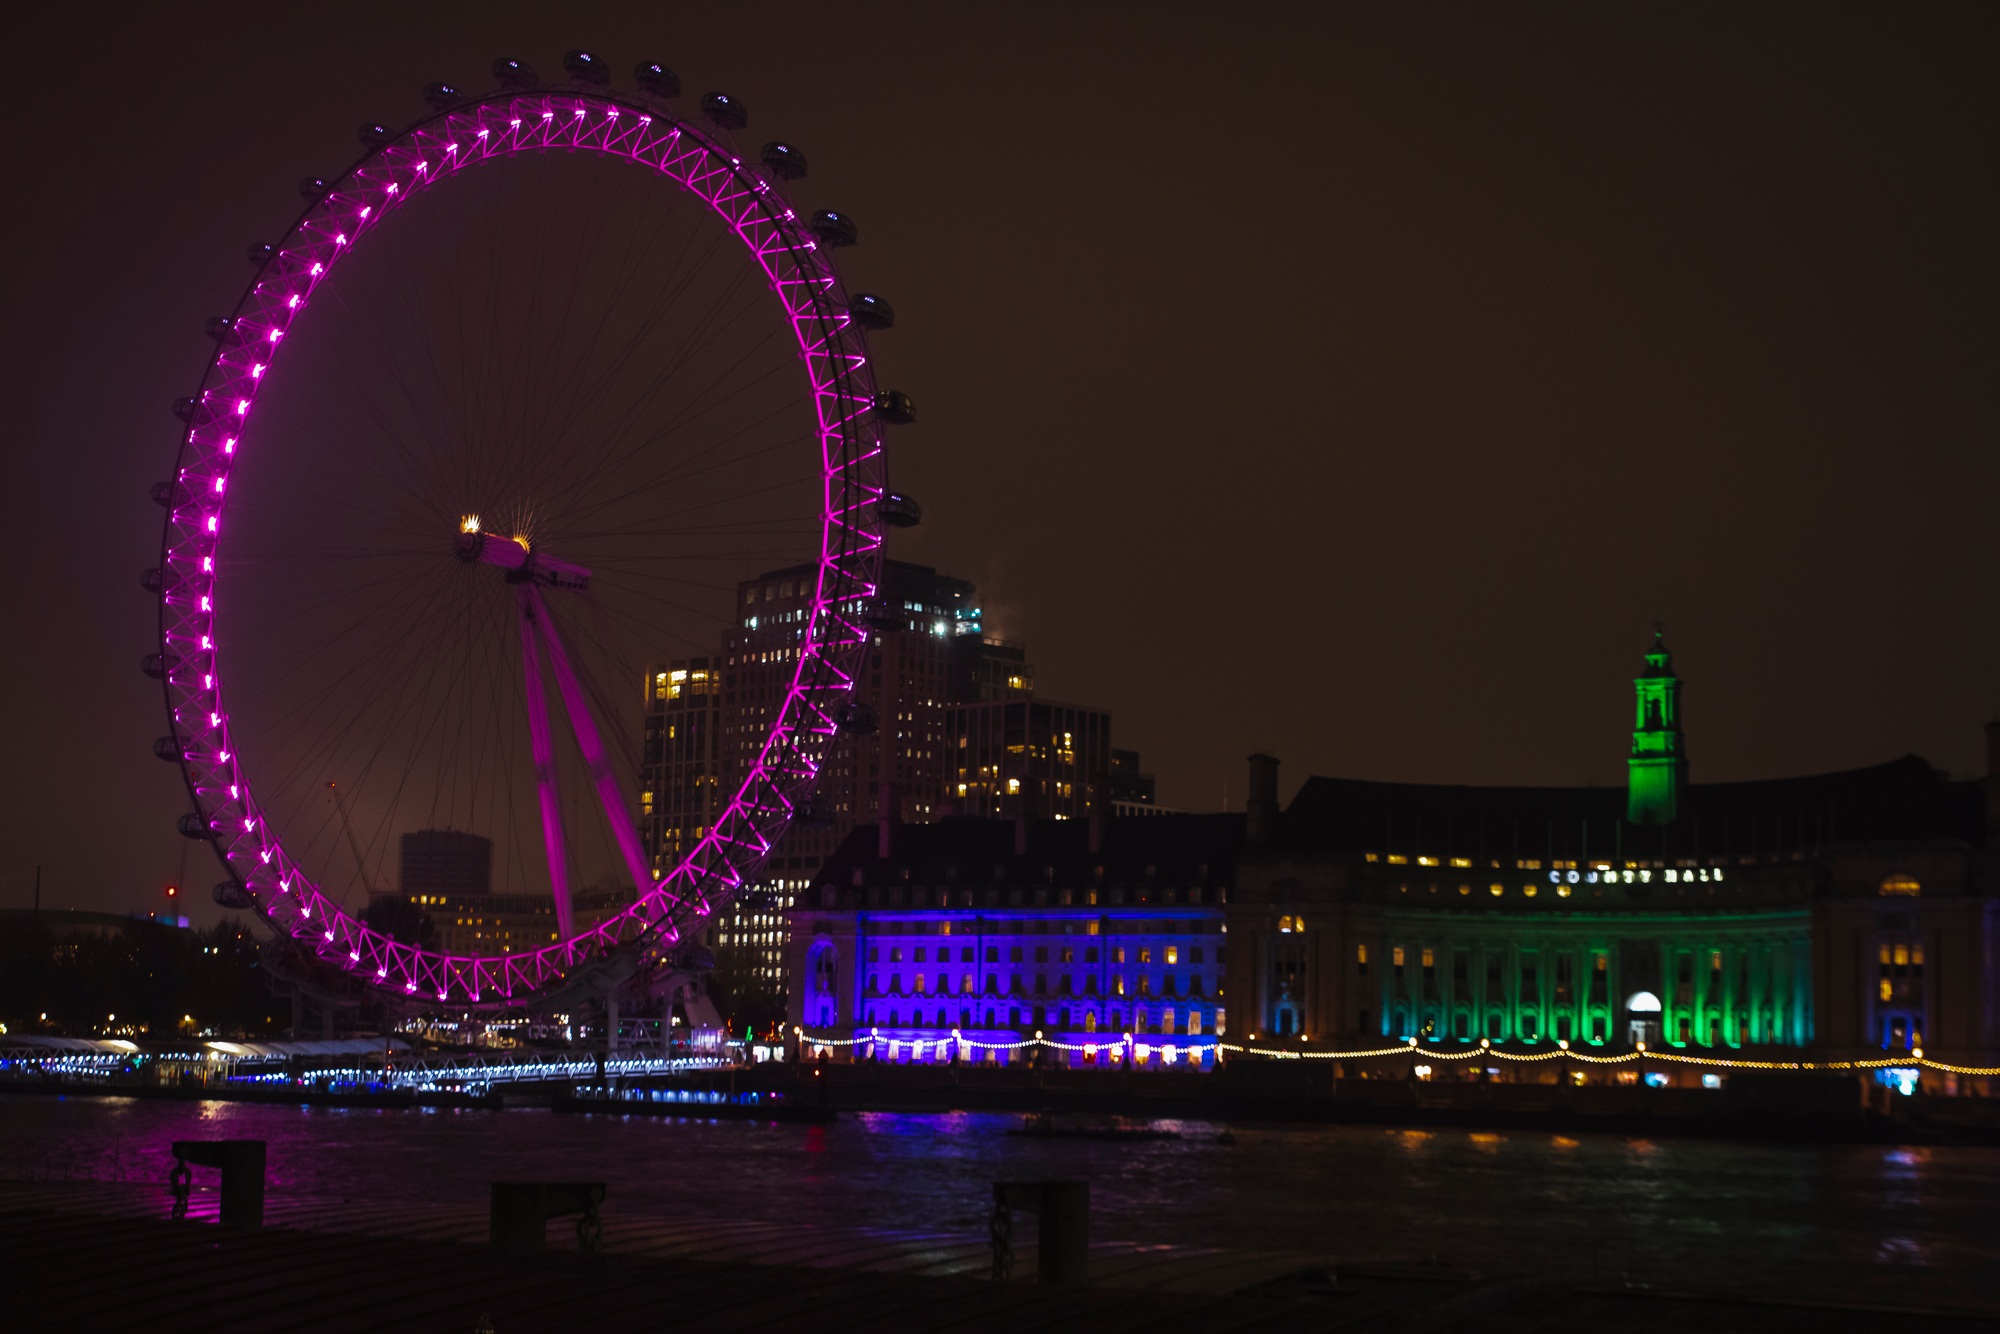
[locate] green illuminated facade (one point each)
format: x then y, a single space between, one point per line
1840 915
1657 770
1531 949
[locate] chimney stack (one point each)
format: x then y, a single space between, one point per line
1260 810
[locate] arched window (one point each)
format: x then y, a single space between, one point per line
823 986
1901 885
1643 1010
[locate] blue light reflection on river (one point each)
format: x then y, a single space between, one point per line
1897 1223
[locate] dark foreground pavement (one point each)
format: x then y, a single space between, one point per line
103 1259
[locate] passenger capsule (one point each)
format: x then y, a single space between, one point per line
872 312
373 134
887 616
899 511
219 327
832 229
158 581
168 748
784 161
311 188
512 73
193 826
857 719
184 408
260 253
725 111
169 494
694 958
894 406
584 67
156 665
229 894
658 80
442 96
813 817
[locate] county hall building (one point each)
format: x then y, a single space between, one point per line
1831 916
1843 915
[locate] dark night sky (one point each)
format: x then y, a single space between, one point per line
1357 387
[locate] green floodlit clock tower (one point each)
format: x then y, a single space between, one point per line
1658 767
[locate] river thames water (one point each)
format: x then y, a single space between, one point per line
1877 1223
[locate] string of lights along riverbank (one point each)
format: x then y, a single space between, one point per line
1127 1048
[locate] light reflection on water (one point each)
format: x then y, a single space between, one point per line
1883 1223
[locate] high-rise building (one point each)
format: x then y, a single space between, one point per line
1029 757
680 789
925 649
934 692
989 669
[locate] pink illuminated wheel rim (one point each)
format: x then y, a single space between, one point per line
847 474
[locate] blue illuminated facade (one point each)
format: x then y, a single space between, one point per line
1106 935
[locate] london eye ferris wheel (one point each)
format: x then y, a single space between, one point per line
501 420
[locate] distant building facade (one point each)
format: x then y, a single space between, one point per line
1844 915
448 874
444 861
1105 934
1128 791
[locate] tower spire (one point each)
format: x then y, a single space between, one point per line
1658 766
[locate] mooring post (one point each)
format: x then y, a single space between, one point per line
1062 1214
241 1162
521 1212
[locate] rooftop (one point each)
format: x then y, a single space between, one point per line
1904 800
1166 848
